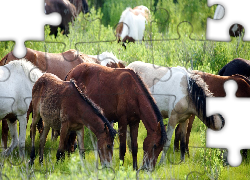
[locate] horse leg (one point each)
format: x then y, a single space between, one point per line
80 139
14 135
129 139
22 136
183 127
63 135
134 144
177 138
5 130
35 119
42 142
190 124
170 131
122 137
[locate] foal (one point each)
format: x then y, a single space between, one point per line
126 100
63 106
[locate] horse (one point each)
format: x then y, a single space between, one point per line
16 81
63 106
235 30
236 66
216 86
125 99
67 12
108 59
59 64
81 6
178 95
131 25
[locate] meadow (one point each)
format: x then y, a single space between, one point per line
174 37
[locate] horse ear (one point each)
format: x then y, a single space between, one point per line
159 127
106 128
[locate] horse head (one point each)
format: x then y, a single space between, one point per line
152 147
105 144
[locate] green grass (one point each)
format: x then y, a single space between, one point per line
93 35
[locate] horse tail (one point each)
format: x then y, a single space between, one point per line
154 106
97 110
198 91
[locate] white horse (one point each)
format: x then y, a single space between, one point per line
131 25
108 59
16 82
178 95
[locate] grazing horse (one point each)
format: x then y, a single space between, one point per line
109 60
131 25
57 63
236 29
63 106
216 86
236 66
178 95
124 99
65 9
16 81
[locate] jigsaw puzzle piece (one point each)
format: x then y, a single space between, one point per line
228 108
25 16
220 29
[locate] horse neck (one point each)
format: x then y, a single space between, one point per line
148 110
198 91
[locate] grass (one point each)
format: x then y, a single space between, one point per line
165 48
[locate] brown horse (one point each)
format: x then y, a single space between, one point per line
216 86
62 105
126 100
57 63
67 12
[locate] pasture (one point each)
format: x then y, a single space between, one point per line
95 33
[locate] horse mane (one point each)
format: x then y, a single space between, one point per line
30 70
98 111
198 91
155 107
242 77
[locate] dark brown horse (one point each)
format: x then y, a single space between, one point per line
81 6
236 66
68 9
125 99
216 86
67 12
63 106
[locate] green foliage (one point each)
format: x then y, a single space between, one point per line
212 159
